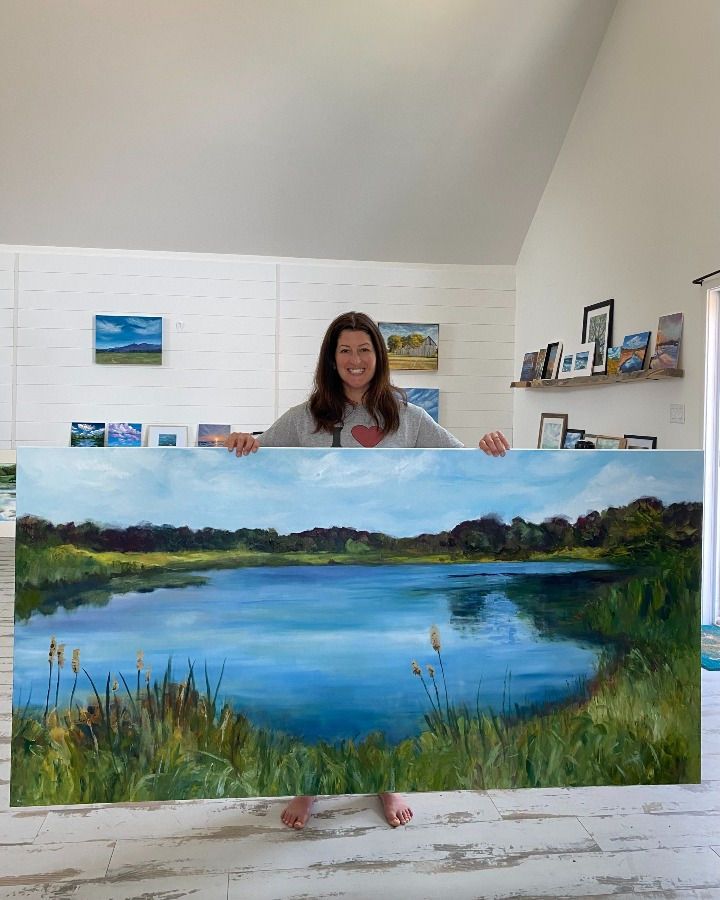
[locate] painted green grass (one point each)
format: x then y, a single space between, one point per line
116 358
169 739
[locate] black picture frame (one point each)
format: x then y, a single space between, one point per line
551 365
569 432
593 314
641 441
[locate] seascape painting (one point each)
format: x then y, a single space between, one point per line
128 340
189 624
212 435
411 345
667 342
632 355
427 398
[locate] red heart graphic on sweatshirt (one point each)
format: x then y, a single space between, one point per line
368 436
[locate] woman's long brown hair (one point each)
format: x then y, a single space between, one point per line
327 400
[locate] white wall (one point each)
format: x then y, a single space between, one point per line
632 212
240 339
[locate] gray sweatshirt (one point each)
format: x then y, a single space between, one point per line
296 428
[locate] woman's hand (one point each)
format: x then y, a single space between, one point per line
242 443
494 443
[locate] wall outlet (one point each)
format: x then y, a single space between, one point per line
179 326
677 413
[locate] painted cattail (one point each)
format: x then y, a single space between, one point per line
435 638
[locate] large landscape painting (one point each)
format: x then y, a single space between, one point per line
189 624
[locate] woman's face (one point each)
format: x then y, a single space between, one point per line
355 361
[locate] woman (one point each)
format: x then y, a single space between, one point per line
353 404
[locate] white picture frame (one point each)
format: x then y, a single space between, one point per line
166 436
583 361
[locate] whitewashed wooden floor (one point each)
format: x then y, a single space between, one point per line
589 842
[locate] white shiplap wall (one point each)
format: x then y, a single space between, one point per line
240 340
474 306
219 323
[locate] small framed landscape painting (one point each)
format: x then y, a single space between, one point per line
124 434
597 330
582 362
527 373
212 435
607 441
87 434
128 340
411 345
667 343
566 364
426 398
166 436
553 355
8 475
613 359
640 442
632 355
572 436
552 431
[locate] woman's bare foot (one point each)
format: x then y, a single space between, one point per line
297 812
397 812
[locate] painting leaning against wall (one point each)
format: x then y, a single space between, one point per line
519 630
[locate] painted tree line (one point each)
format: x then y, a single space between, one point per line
645 524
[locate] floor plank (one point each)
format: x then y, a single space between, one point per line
556 876
474 843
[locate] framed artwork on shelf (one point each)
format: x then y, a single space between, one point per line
212 435
128 340
552 431
640 442
566 364
540 364
572 436
124 434
87 434
411 345
606 441
553 354
667 342
427 398
613 359
597 330
582 361
527 373
166 436
632 356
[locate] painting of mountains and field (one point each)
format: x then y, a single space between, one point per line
128 340
189 624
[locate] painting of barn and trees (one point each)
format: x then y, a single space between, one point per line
190 625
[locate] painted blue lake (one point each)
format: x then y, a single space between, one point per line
326 651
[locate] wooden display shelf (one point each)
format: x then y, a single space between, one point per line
597 380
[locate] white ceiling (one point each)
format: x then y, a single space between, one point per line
405 130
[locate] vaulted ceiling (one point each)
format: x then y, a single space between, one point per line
405 130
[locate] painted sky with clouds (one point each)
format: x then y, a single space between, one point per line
399 492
